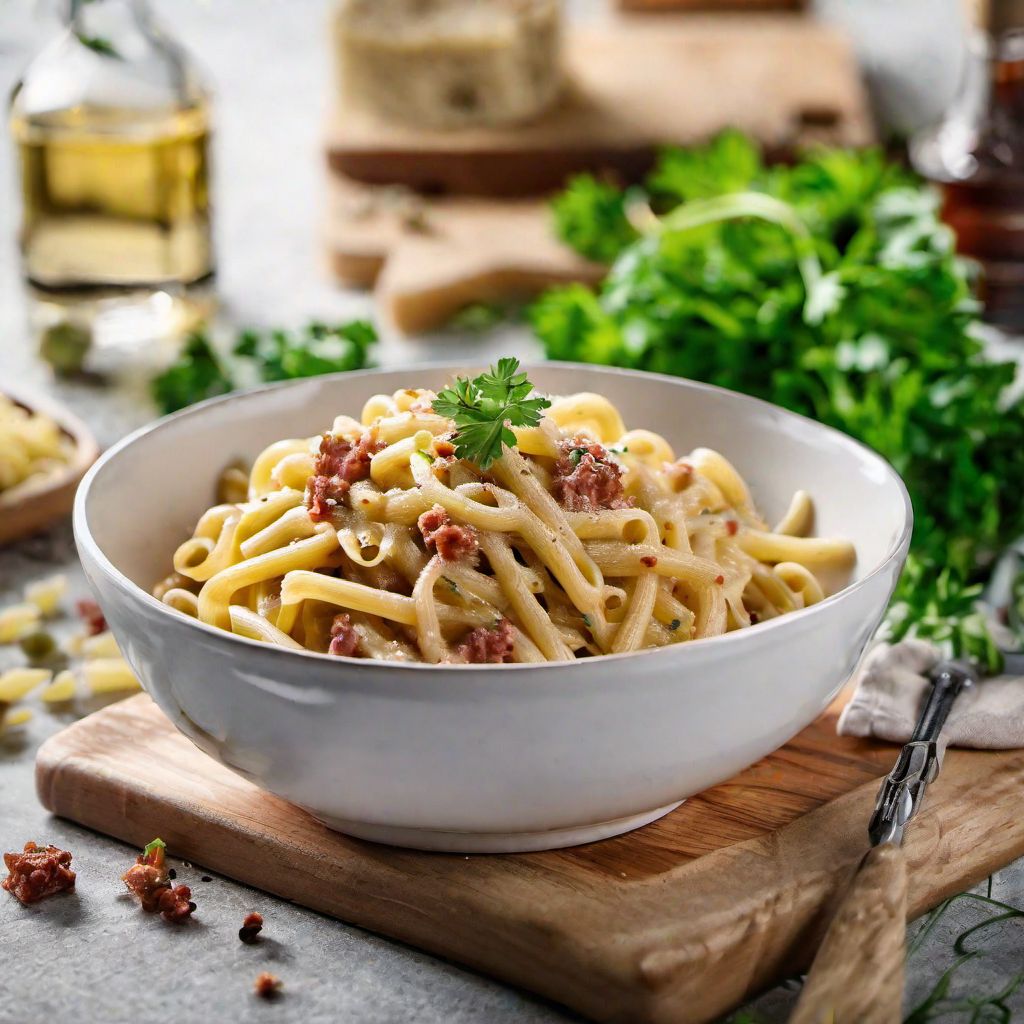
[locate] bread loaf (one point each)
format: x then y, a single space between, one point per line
449 63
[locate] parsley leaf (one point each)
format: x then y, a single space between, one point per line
196 374
318 348
485 407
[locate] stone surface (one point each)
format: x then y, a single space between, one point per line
269 67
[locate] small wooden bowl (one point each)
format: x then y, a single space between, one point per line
31 508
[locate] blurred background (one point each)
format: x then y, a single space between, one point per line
278 107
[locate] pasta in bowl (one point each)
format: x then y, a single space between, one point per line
580 538
410 732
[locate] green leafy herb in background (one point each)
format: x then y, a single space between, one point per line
318 348
832 288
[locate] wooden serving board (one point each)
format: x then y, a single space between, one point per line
635 84
459 250
672 924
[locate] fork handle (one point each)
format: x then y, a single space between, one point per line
857 975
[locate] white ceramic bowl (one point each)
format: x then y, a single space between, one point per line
488 758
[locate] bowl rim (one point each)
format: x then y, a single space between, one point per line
85 540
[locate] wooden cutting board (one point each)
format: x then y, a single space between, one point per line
636 84
427 258
672 924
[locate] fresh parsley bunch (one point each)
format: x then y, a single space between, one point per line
832 288
200 372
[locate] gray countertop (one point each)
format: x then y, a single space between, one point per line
270 70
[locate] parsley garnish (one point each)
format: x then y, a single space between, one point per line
483 409
674 625
156 844
588 621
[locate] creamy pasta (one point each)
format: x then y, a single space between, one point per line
584 538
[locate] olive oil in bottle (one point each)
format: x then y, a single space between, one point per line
112 128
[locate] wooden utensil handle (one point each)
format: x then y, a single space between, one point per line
857 976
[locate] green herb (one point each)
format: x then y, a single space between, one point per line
575 455
199 372
590 215
674 625
153 847
452 585
316 349
484 407
98 44
588 621
480 316
832 288
941 1002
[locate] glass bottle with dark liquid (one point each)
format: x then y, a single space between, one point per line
112 127
976 155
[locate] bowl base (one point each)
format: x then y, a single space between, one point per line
443 841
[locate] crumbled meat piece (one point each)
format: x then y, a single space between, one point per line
38 872
251 927
586 479
731 527
451 540
649 560
339 464
91 614
344 638
267 985
719 580
150 880
489 645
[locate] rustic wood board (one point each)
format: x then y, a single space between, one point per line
674 923
635 84
458 250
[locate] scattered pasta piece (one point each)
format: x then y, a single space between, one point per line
47 594
14 718
16 683
16 620
102 645
32 446
109 675
61 690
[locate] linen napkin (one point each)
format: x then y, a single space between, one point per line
890 690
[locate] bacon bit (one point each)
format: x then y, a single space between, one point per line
586 479
251 927
719 580
267 985
38 872
92 615
731 527
754 618
489 645
451 540
444 449
150 880
649 560
344 638
339 464
680 474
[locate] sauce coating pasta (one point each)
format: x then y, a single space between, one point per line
374 540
